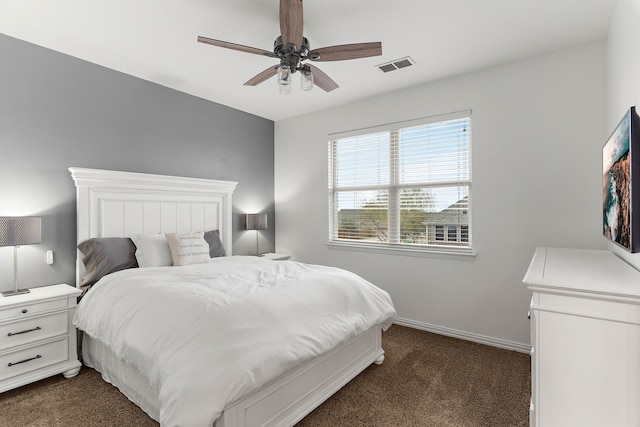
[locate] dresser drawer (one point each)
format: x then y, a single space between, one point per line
33 358
33 329
24 310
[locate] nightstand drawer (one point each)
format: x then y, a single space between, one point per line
32 358
29 309
33 329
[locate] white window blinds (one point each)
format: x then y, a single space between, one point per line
403 184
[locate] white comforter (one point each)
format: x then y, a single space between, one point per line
207 334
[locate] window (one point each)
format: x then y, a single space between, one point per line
403 185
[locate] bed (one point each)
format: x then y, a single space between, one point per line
275 392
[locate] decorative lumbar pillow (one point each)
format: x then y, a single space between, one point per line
188 248
215 244
152 250
106 255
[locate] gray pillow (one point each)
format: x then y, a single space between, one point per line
215 244
106 255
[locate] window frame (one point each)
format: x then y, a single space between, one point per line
394 189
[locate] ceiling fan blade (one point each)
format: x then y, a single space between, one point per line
291 22
322 80
347 51
265 75
234 46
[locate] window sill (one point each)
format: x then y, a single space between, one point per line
403 250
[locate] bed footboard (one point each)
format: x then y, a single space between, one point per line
291 397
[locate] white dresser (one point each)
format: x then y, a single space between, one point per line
37 337
585 336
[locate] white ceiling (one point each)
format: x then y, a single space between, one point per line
156 41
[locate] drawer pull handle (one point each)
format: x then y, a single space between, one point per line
25 360
37 328
24 311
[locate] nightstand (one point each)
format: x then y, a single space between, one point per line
38 336
275 257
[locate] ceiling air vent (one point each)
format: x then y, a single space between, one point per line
396 64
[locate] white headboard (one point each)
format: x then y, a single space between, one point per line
122 204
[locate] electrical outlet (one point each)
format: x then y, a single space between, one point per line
49 257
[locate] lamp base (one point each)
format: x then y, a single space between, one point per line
16 292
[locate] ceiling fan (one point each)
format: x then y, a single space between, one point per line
292 48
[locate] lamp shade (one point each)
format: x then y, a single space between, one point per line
20 230
256 221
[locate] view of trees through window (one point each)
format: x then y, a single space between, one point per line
404 186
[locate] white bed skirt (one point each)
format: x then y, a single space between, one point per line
125 377
283 402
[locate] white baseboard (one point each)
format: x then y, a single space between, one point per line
481 339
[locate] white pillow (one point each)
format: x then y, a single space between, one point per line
188 248
152 250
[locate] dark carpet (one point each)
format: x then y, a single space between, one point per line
425 380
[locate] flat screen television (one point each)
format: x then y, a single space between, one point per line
621 183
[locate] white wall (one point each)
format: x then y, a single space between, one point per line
623 76
538 129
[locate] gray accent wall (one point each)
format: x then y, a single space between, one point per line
57 111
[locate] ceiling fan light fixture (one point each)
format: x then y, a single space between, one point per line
284 89
284 79
306 78
284 75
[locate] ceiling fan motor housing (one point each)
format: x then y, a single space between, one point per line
290 56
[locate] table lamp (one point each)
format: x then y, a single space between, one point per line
256 222
18 231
